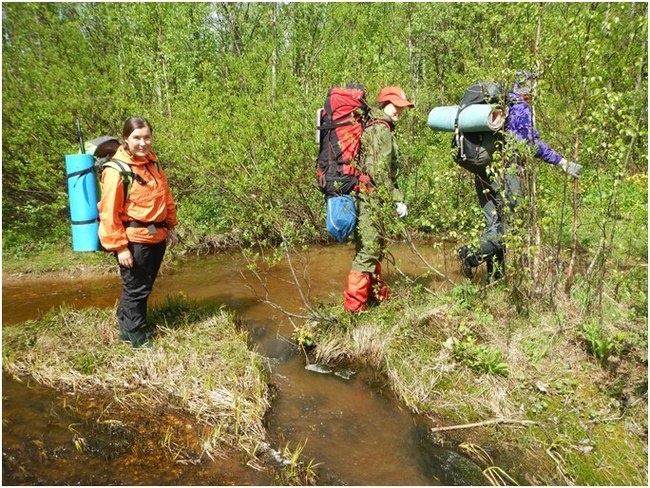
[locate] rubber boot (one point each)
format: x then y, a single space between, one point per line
379 287
358 291
468 260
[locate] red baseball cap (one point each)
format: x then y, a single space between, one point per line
394 95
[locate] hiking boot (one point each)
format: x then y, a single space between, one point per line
124 337
495 267
467 260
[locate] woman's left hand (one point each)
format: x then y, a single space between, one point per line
172 239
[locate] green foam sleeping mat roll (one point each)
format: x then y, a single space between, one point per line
473 118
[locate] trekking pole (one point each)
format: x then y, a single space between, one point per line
80 136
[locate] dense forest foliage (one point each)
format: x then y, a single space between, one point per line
231 90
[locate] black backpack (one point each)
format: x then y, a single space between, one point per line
474 150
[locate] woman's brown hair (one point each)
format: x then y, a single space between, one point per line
134 123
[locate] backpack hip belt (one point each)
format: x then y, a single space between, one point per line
138 223
151 226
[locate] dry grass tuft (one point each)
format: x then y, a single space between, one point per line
203 367
369 344
331 351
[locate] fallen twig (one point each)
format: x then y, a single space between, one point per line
413 282
483 424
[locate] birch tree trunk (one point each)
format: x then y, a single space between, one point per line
534 226
576 152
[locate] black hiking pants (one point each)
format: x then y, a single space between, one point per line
137 283
490 197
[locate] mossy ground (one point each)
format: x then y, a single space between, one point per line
468 356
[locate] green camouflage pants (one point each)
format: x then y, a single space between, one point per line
367 238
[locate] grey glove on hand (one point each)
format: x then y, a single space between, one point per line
570 168
401 209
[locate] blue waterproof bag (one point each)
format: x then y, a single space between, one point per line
341 217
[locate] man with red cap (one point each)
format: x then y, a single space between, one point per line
380 161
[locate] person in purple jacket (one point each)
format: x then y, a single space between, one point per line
519 124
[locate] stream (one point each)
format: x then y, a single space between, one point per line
355 432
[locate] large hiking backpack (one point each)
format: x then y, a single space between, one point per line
340 124
474 150
339 127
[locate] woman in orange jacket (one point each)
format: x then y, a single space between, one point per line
137 217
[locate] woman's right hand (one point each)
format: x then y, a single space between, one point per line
125 258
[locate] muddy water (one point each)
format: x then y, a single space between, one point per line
40 428
358 434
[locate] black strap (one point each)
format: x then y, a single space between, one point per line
130 223
84 222
335 125
126 169
460 109
138 223
139 179
82 172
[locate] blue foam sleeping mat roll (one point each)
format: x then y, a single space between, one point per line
82 194
473 118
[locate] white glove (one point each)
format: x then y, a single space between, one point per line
570 168
401 209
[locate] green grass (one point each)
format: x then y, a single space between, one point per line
51 258
200 363
466 356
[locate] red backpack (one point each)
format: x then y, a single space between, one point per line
340 125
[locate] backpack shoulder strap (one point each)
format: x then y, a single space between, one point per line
125 170
119 166
380 121
126 173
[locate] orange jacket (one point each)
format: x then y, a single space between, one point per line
148 203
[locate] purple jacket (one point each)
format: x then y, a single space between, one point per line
520 123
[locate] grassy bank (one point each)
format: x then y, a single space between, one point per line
200 365
60 258
53 259
564 400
